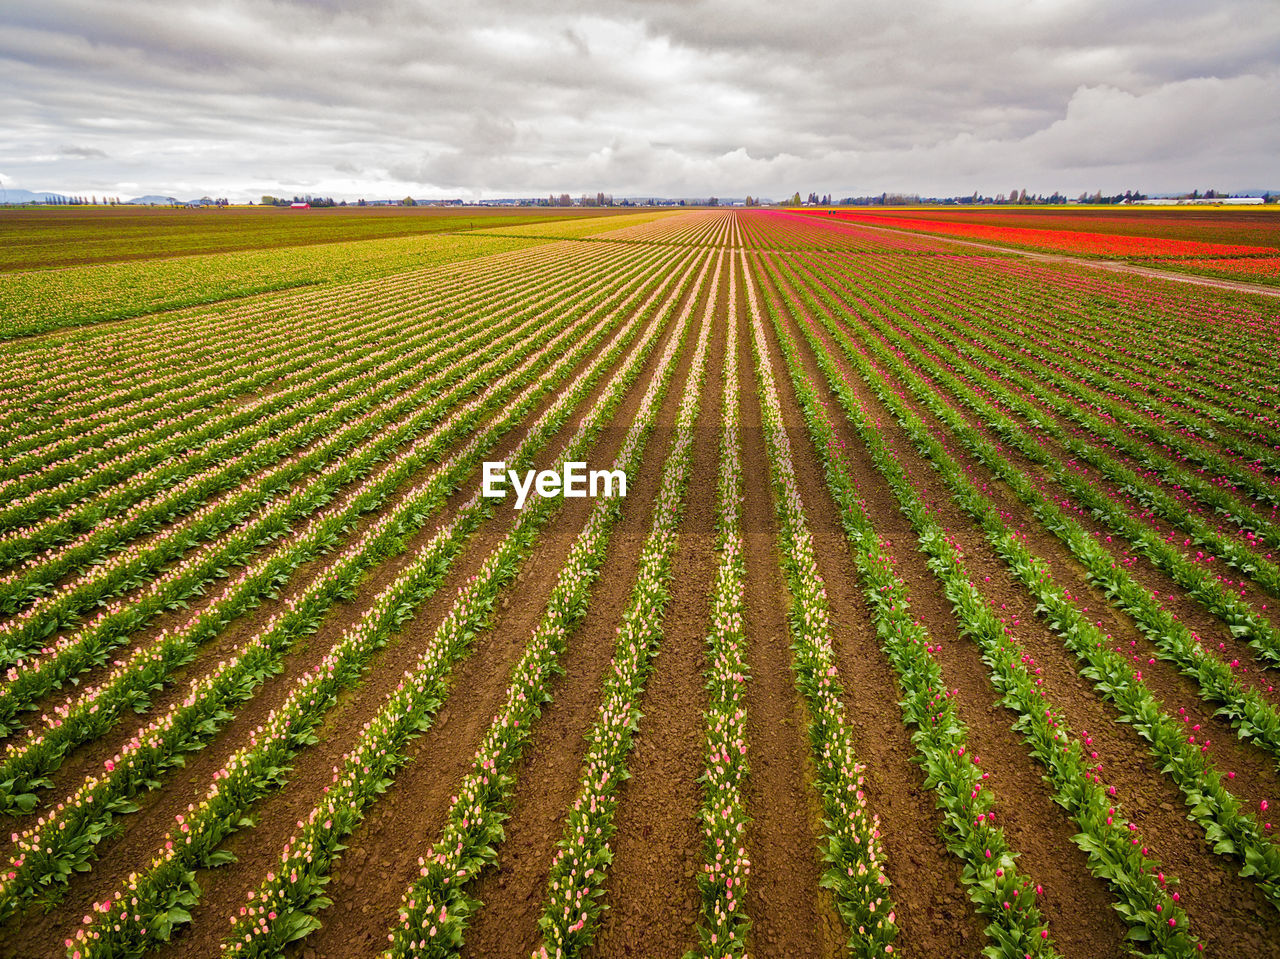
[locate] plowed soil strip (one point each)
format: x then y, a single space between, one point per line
1256 775
1213 629
933 912
146 832
442 756
1226 911
296 801
250 480
1034 825
413 813
91 756
790 913
547 778
652 893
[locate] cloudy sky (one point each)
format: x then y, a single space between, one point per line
395 97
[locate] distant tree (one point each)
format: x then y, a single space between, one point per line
713 201
408 201
1022 195
795 199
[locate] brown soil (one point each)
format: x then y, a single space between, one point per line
1034 826
171 619
91 755
547 776
651 889
790 913
1256 775
418 803
144 832
1226 911
1213 630
1242 498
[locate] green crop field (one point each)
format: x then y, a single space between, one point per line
940 616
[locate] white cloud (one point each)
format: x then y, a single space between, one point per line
241 97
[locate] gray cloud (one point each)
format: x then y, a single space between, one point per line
70 150
394 97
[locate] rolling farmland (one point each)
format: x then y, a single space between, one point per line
939 617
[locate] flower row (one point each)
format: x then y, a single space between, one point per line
1250 713
375 376
96 709
76 651
851 846
282 907
1238 615
967 804
58 839
172 372
1205 489
435 907
723 923
1211 805
578 870
1112 846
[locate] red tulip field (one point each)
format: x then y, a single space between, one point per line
1210 242
940 616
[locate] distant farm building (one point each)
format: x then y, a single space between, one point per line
299 206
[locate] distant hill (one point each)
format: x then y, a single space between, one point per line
26 196
152 198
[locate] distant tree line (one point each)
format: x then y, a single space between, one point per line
1016 197
268 200
564 199
59 200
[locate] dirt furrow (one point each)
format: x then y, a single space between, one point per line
410 817
1256 774
547 777
651 890
791 914
145 830
933 912
1226 911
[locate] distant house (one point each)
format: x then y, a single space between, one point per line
299 206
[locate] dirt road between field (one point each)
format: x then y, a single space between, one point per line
1115 266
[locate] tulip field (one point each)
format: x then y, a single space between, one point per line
1231 244
940 617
